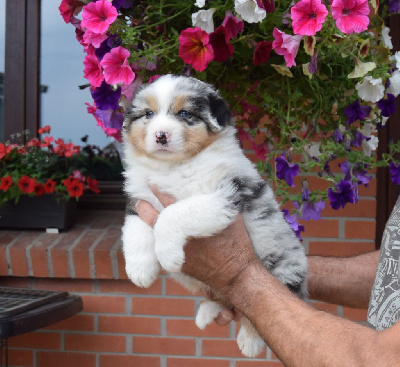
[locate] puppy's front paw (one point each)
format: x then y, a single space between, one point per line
206 314
170 255
249 342
142 270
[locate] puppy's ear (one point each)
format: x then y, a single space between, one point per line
221 115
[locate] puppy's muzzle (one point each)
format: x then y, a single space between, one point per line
162 137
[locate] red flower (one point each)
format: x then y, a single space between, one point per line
3 150
262 52
68 8
195 49
92 183
44 129
49 186
6 182
39 189
75 188
69 181
219 40
26 184
47 140
33 143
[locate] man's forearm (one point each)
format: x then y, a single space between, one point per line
344 281
300 335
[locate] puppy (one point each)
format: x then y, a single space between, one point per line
178 136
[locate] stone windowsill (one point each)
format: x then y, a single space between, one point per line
89 250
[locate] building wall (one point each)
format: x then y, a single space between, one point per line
124 325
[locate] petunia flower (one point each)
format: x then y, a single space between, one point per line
308 17
106 97
354 111
261 150
394 6
92 184
396 58
310 210
292 220
371 142
69 8
267 5
6 182
125 4
386 38
200 3
232 25
356 171
395 172
39 189
343 194
370 89
116 67
26 184
94 39
204 20
93 71
107 45
361 68
250 11
219 40
112 132
351 16
388 105
394 87
195 48
49 186
358 138
286 46
110 119
285 170
97 16
262 52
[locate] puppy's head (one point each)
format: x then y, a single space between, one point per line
175 118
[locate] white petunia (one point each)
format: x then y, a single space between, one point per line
387 40
204 20
369 145
394 87
250 11
200 3
370 89
396 59
313 149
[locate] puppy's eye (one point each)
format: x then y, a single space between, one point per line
149 114
185 114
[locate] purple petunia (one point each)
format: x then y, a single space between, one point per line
388 105
394 6
111 119
338 136
395 172
358 137
292 220
355 111
285 170
106 97
312 210
107 45
343 194
359 172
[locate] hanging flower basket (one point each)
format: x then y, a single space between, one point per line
37 212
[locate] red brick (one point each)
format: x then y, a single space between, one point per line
59 253
259 364
162 306
6 237
176 289
126 286
363 209
163 345
355 314
102 253
76 285
197 362
345 248
36 340
360 229
113 360
129 325
20 357
189 328
104 304
324 228
223 348
80 253
75 323
38 253
65 359
95 343
18 253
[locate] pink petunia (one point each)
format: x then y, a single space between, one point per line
92 70
219 40
98 16
195 48
350 15
286 46
232 25
69 8
262 52
308 17
94 39
116 67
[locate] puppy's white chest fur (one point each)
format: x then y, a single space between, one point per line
184 145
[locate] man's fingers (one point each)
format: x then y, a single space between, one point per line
165 199
146 212
224 317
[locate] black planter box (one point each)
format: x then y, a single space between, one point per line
38 212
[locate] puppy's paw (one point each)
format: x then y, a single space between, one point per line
142 270
170 256
250 345
206 314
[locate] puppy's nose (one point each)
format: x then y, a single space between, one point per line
162 137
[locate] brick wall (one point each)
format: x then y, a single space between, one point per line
124 325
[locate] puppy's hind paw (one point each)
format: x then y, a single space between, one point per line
250 346
206 314
142 274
